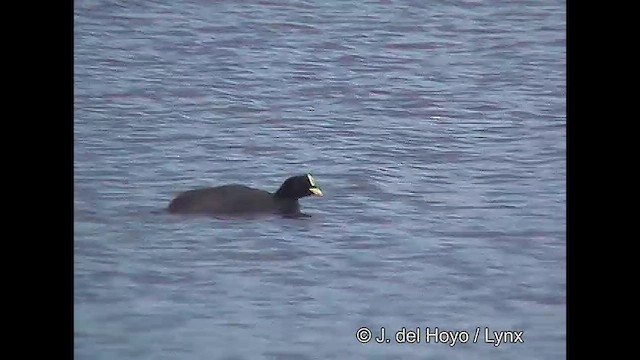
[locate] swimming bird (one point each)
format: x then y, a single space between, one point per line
236 199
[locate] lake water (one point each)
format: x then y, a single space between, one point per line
436 130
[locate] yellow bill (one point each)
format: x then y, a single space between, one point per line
314 188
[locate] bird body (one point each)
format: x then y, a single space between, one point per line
236 199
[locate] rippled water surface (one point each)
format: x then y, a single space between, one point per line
435 129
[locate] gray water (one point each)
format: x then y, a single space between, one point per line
435 129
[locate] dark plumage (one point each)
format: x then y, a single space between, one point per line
241 200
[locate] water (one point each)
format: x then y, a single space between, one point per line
436 131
